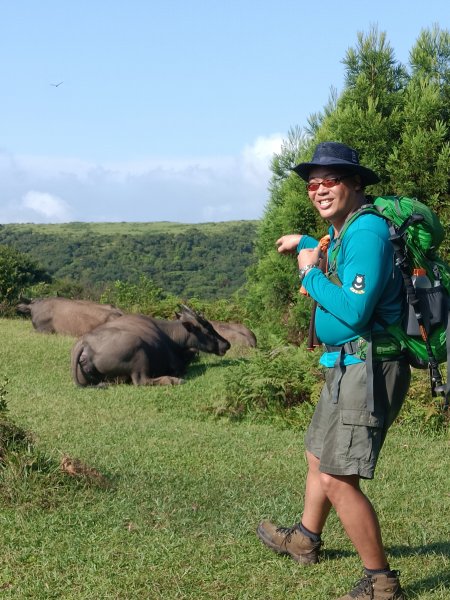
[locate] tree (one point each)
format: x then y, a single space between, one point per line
419 163
17 272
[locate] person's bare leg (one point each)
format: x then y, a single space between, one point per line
316 504
358 517
303 546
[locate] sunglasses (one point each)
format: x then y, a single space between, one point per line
327 183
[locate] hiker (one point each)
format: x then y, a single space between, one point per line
360 398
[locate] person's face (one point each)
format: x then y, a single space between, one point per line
335 203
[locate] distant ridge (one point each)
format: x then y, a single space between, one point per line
126 227
205 260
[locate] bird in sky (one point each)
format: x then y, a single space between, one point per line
57 84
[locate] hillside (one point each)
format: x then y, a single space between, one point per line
207 260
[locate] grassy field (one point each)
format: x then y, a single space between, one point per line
186 493
78 228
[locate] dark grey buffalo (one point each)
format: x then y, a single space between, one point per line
66 316
143 350
236 333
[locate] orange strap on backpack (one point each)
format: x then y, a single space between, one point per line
324 244
312 341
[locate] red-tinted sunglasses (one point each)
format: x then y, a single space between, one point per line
328 183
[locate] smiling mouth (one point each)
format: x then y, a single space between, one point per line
325 203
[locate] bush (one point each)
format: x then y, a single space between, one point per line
144 297
421 413
17 271
147 298
221 310
13 439
66 288
282 385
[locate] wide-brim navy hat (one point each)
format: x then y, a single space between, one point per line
335 154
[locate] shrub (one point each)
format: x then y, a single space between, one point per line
143 297
3 392
66 288
221 310
421 413
17 271
282 384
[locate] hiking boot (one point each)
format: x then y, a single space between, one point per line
289 540
377 587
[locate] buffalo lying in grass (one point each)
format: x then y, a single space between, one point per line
143 350
66 316
236 333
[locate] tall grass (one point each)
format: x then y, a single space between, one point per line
186 492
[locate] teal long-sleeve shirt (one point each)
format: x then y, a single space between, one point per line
371 285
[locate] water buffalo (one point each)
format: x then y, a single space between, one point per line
236 333
143 350
65 316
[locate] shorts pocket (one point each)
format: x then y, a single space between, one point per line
361 435
351 416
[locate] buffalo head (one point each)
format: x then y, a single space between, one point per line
206 337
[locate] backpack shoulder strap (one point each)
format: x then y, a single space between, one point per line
365 209
369 208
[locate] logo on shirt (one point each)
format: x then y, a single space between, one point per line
358 284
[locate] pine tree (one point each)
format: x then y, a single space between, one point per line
419 163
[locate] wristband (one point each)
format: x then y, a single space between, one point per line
302 272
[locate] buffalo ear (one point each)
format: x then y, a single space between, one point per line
188 311
177 315
188 325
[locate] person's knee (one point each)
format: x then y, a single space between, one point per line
335 486
328 484
313 462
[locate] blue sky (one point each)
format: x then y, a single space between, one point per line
168 111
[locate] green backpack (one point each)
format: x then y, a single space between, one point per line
416 234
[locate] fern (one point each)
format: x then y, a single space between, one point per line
273 384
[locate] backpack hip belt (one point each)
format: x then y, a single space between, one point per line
379 349
384 347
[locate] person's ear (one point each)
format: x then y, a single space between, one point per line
358 183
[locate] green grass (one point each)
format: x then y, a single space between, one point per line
78 228
187 491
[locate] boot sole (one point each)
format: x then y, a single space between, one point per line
300 558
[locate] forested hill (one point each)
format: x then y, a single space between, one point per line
206 260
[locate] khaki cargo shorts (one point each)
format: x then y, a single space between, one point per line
344 436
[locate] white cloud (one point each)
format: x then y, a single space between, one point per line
263 148
191 190
257 157
50 207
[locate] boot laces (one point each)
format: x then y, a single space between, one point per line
287 531
363 586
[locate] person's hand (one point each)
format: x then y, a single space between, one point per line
308 256
287 244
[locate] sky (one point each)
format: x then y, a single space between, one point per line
169 110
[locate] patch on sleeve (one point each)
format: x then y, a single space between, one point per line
358 284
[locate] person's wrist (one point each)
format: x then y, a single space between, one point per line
303 270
